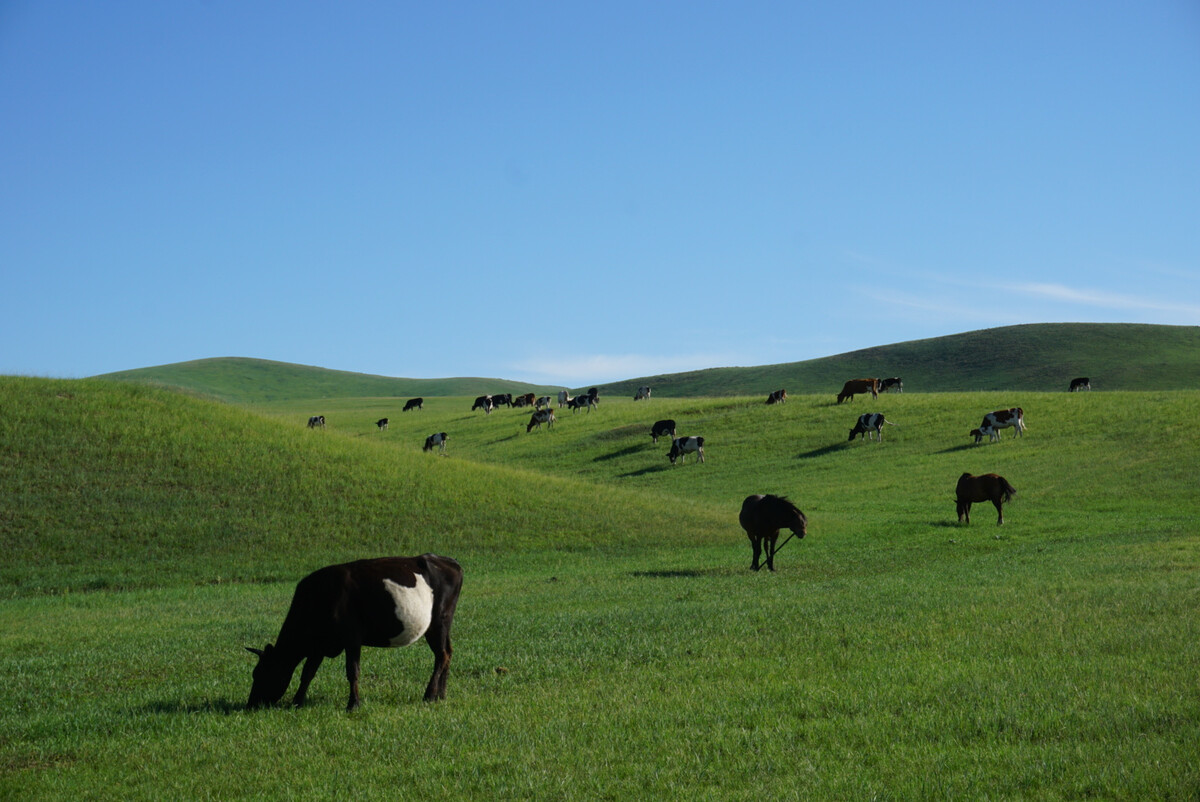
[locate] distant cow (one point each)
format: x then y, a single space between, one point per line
502 399
887 385
485 403
414 403
437 441
382 423
1000 419
662 428
682 446
777 397
1082 383
869 426
523 400
315 421
987 487
390 601
856 386
542 403
642 393
590 400
564 398
539 417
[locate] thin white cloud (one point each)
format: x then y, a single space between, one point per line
1105 300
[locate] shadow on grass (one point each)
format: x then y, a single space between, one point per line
644 471
685 573
956 449
624 452
820 452
222 706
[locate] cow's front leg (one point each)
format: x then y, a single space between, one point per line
353 653
306 675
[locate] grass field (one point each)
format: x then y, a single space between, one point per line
611 641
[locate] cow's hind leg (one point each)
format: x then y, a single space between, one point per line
353 655
439 644
306 675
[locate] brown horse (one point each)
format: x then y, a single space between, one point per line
762 517
985 487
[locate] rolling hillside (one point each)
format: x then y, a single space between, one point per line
1039 357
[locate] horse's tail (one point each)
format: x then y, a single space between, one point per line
1008 490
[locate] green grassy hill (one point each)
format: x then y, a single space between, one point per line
249 381
895 654
1042 357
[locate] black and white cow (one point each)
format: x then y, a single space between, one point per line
316 421
437 441
662 428
502 399
777 397
869 426
564 398
993 422
887 385
1082 383
382 423
484 402
542 403
682 446
539 417
390 601
414 403
585 401
643 393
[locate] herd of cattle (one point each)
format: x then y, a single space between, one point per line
394 601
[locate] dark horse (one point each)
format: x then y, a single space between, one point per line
762 517
985 487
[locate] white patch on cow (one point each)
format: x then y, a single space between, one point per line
414 609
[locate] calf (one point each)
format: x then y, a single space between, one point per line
856 386
437 441
315 421
887 385
662 428
414 403
382 423
682 446
869 425
1082 383
390 601
1000 419
777 397
643 392
539 417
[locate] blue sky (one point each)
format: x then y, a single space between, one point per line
573 193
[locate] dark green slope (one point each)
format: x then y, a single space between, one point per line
1039 357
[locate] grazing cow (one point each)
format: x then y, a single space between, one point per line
777 397
382 423
523 400
886 385
662 428
643 392
856 386
682 446
1082 383
414 403
390 601
539 417
484 402
869 426
762 517
542 403
986 487
563 398
993 422
315 421
590 399
502 399
437 441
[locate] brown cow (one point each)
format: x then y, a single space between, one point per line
856 386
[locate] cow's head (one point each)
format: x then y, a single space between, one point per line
272 675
